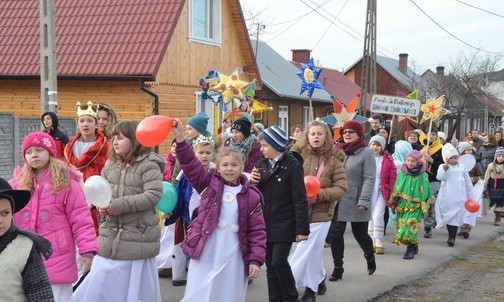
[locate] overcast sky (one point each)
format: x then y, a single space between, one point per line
401 28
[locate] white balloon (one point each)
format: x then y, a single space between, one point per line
468 161
97 191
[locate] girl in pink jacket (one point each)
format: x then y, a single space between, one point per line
386 175
57 211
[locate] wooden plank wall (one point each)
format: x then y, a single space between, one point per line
23 97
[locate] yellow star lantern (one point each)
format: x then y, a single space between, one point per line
432 109
231 86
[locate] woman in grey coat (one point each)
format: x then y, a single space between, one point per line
355 206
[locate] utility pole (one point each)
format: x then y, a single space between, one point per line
48 72
368 70
259 27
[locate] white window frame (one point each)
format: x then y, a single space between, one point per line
213 23
206 106
306 116
283 117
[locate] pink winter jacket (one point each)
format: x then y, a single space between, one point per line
388 176
63 219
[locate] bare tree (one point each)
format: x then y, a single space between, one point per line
253 16
463 86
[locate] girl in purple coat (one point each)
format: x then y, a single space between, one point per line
57 210
226 239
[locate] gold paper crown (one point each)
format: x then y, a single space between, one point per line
90 109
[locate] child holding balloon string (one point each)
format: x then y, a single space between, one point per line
226 239
57 210
456 188
324 161
476 174
188 201
125 268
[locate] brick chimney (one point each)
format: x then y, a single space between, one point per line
301 55
440 71
403 62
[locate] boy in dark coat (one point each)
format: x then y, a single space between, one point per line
280 178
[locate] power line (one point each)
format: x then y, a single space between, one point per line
298 18
479 8
449 33
330 24
361 36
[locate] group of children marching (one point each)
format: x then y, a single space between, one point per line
408 193
219 221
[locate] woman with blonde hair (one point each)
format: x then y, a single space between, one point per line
324 161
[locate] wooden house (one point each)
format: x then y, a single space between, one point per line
140 57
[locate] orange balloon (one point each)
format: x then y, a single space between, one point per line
472 206
153 130
312 186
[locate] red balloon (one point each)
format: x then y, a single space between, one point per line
312 185
153 130
472 206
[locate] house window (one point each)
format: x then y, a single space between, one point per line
283 117
306 116
208 107
205 20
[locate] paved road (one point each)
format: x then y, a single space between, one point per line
392 270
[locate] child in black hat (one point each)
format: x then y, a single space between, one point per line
247 144
23 273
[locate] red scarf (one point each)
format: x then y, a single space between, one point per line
350 148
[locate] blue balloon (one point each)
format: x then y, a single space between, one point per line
168 199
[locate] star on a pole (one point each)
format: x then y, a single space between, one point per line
432 109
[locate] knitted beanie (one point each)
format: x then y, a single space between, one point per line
499 151
448 151
463 146
379 139
276 137
353 125
441 135
416 155
243 125
39 139
200 123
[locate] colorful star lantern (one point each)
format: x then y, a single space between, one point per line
432 109
231 86
342 114
412 95
309 77
207 84
260 107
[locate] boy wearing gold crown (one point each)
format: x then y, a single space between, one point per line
87 150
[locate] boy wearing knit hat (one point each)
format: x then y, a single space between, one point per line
197 125
282 184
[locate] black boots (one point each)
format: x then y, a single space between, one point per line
371 264
336 274
410 252
427 232
322 287
309 296
452 233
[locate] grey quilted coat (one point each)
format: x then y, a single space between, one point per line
360 172
133 231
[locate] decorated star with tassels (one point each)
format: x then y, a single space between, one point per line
432 109
207 84
309 77
231 86
343 114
